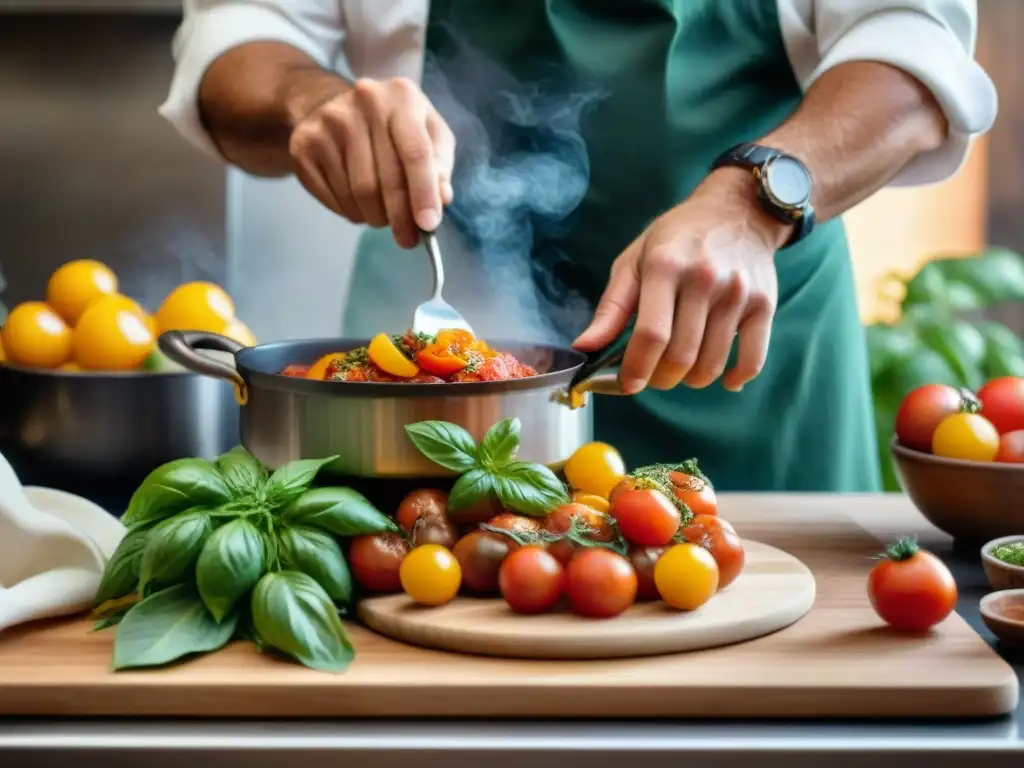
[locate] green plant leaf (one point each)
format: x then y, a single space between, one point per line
471 487
112 620
446 444
996 275
889 345
294 478
926 367
928 287
229 565
961 345
500 444
293 614
173 547
1004 351
317 555
174 487
242 472
529 488
341 511
121 574
167 626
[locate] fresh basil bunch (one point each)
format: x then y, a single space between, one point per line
222 550
490 470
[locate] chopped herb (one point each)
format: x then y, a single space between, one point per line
1012 554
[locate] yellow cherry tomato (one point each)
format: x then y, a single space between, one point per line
686 576
240 332
318 370
36 336
595 468
196 307
430 575
2 355
111 336
595 502
967 436
76 285
133 306
389 358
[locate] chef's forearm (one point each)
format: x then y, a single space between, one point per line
857 127
252 96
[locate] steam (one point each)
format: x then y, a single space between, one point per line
522 170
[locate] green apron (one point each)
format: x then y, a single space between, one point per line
679 82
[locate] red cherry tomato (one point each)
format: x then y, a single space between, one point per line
643 560
645 516
911 589
719 538
508 521
1011 448
423 515
695 492
376 560
560 521
531 580
600 583
921 412
1002 403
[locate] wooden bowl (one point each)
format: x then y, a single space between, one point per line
1002 576
1003 614
969 500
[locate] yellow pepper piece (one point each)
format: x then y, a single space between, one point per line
386 356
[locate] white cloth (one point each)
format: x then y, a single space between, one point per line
933 40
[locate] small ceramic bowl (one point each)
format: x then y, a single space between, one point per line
1002 575
1003 614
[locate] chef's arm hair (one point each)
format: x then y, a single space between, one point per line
253 95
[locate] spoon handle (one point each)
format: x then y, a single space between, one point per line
434 251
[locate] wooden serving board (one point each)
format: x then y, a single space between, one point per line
838 661
774 590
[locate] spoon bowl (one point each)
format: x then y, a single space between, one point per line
436 314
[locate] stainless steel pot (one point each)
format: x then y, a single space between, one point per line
110 427
285 418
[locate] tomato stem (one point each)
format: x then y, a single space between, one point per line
903 548
969 402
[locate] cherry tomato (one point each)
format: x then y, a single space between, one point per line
643 560
531 580
423 515
695 492
376 560
430 575
595 468
478 512
514 523
1002 403
596 503
560 521
600 583
911 589
1011 448
686 577
645 516
480 555
719 538
966 436
921 412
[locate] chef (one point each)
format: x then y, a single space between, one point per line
718 142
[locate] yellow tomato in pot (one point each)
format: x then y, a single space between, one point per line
430 575
76 285
389 358
966 436
196 306
595 468
111 336
36 336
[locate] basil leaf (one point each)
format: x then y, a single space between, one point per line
167 626
173 488
173 547
470 488
500 444
243 473
293 614
444 443
341 511
529 488
107 622
230 563
121 574
293 478
318 555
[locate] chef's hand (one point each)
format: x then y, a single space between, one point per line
701 273
380 154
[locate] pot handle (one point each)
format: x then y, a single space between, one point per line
599 374
183 348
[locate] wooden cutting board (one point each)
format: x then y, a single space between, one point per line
838 661
774 590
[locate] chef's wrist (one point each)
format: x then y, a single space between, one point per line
305 89
736 192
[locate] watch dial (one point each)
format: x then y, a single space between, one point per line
789 182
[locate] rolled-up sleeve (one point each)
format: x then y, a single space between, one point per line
213 27
933 40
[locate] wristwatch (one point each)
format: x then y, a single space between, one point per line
784 185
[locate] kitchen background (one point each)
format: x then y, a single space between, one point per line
88 169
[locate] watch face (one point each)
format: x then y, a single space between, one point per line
788 182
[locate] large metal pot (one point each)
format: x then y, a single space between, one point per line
70 428
286 418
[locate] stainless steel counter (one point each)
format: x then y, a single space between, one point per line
499 744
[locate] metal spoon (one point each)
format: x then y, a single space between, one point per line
436 314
